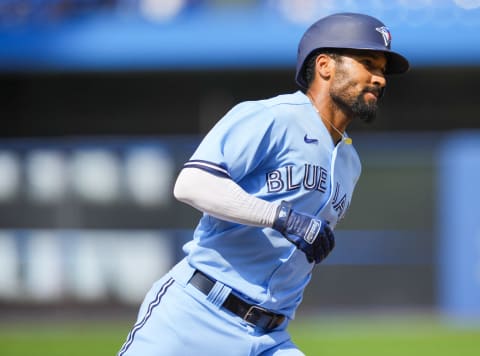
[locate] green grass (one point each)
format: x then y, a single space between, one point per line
66 339
408 336
354 336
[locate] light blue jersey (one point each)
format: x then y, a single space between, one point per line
275 149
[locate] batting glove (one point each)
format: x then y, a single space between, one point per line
313 236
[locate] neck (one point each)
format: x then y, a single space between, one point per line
336 130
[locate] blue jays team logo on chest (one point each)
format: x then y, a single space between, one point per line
387 37
313 178
340 204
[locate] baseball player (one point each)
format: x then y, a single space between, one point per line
272 178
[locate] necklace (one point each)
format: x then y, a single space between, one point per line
344 137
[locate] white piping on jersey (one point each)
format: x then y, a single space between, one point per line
206 165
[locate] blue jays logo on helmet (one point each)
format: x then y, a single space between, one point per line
387 37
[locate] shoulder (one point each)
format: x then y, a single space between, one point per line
292 100
272 104
278 112
285 109
270 110
288 109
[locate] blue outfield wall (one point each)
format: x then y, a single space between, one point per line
459 225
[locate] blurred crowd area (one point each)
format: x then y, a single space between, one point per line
41 11
21 12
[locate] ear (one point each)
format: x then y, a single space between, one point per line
324 65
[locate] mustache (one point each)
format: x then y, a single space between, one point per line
377 91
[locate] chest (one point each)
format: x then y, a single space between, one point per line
318 178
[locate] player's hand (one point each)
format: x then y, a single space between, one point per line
311 235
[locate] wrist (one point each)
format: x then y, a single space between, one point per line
284 211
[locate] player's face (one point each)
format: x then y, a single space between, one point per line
358 83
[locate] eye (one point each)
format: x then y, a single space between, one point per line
371 66
367 63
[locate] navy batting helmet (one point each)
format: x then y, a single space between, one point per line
348 31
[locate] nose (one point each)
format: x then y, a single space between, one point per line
378 79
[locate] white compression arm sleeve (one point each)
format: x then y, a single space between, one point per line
222 198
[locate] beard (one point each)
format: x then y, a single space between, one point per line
365 111
356 106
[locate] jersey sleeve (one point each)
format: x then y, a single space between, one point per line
238 143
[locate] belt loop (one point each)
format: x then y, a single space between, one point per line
218 293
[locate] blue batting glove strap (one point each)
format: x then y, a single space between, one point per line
304 226
313 236
283 213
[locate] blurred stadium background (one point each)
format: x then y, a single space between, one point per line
102 101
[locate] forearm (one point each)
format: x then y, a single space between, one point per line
223 198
